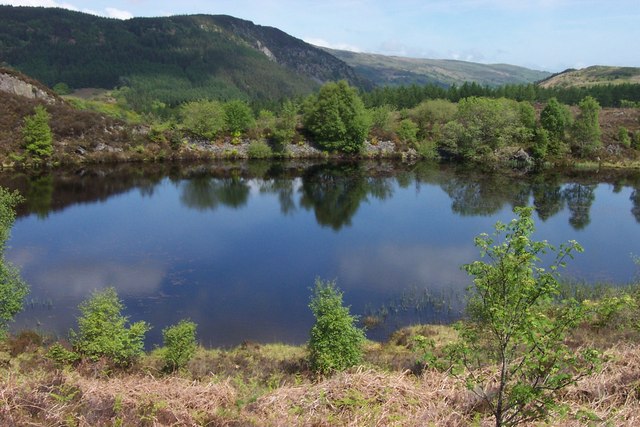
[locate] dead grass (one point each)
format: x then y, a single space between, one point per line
67 398
611 396
269 385
367 397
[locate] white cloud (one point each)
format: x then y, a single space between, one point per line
389 266
323 43
41 3
109 12
117 13
80 279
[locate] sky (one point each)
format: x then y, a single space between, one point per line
550 35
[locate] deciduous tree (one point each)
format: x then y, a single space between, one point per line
511 352
336 118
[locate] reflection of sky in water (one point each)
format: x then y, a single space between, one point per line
242 269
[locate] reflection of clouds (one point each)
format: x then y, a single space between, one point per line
24 256
80 280
392 267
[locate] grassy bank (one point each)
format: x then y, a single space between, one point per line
270 384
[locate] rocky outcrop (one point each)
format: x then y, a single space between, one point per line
13 84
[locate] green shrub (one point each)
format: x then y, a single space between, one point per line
540 143
427 149
407 131
102 330
238 116
205 119
259 150
36 133
623 137
12 288
335 342
381 118
61 355
285 126
179 345
430 114
635 141
61 89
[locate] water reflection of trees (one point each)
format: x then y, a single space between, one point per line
333 191
579 199
284 189
207 193
635 199
547 196
484 196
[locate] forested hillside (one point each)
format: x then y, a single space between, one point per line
169 59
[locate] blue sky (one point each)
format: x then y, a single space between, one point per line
550 35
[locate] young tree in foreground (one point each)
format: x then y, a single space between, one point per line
12 288
336 342
102 330
511 352
179 345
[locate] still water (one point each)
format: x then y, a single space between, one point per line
236 247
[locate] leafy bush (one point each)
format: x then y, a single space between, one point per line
61 89
238 116
102 330
259 150
635 141
337 118
12 288
381 118
431 114
59 354
483 125
540 143
427 149
623 137
36 133
407 131
205 119
285 127
179 344
335 342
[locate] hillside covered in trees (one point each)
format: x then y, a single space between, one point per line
169 59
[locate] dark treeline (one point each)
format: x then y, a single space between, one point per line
409 96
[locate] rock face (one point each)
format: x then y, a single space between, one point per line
17 86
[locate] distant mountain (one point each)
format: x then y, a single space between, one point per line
592 76
396 71
181 57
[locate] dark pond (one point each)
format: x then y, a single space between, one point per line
236 247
